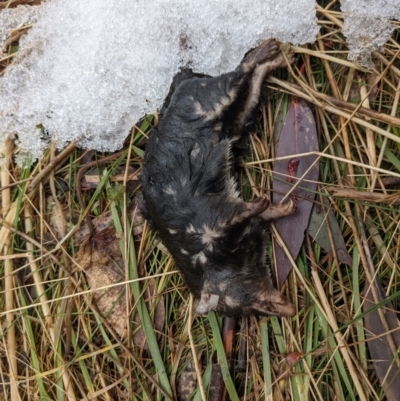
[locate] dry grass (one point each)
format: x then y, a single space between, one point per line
57 342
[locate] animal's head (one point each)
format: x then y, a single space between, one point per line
234 277
243 295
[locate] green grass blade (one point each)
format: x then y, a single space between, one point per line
219 346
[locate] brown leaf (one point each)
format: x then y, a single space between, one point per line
385 362
102 261
298 135
100 223
293 357
217 385
101 258
58 217
318 229
187 383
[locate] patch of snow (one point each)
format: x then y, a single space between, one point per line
14 18
89 70
367 27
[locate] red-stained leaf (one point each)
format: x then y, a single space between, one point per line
321 218
298 135
383 358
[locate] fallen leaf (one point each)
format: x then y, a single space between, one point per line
292 358
101 258
58 217
100 223
217 385
321 218
298 135
102 261
385 362
187 383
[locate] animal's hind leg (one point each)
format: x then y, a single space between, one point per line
262 208
269 56
267 51
218 96
250 209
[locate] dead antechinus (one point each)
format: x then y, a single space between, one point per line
190 193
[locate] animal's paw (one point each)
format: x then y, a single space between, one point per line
279 210
258 205
286 56
251 209
290 207
273 303
267 51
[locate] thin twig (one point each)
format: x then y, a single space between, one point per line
11 350
51 166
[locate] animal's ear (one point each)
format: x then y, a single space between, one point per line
272 303
182 75
207 303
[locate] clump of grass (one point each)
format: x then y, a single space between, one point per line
57 344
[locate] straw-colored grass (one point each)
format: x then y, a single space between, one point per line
56 340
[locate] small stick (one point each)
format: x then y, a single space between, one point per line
390 181
364 196
61 156
363 111
11 349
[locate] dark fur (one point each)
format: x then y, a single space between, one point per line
190 195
